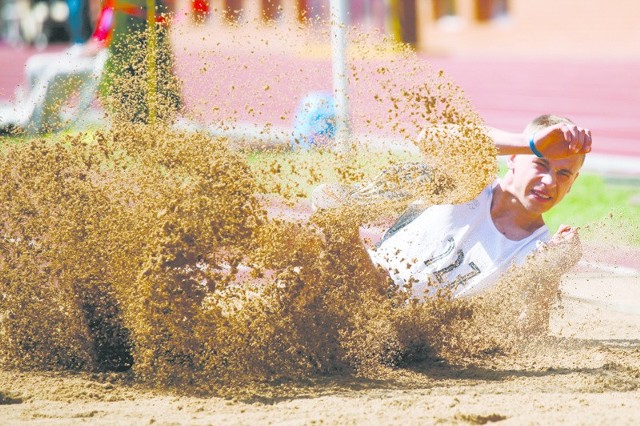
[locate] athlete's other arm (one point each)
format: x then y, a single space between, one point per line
557 141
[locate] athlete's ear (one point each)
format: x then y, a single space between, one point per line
511 162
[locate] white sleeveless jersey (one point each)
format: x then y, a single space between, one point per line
453 246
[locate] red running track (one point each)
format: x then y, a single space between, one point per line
601 95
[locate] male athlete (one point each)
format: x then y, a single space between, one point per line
465 248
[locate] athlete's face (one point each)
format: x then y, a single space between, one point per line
541 183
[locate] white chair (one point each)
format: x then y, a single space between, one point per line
58 98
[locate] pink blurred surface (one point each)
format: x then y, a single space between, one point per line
602 95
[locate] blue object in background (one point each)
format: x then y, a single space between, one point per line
76 21
315 121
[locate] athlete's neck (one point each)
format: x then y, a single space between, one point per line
510 217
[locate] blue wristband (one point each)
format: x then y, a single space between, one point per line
534 149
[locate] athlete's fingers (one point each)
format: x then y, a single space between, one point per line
587 142
569 134
562 229
559 235
579 141
566 233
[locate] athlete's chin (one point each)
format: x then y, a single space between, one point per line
540 207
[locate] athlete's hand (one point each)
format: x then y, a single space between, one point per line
565 234
563 140
566 246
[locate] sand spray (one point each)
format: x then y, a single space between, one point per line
147 249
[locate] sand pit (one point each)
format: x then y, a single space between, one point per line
587 372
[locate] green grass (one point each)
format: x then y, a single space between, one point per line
601 206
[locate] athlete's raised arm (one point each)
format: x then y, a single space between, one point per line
557 141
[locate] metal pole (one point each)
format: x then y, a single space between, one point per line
340 77
152 45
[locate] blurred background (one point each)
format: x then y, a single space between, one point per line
41 22
574 28
514 59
